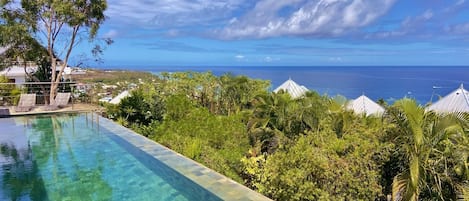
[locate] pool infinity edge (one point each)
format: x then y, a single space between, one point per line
214 182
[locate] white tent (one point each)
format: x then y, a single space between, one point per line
364 105
118 98
292 88
456 101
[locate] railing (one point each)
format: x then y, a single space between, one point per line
10 92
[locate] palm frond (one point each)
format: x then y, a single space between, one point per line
463 191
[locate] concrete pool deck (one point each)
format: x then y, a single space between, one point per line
219 185
42 109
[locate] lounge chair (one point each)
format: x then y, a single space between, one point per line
26 103
61 100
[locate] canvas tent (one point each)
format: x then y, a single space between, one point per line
292 88
455 102
364 105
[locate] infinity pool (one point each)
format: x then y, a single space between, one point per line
73 157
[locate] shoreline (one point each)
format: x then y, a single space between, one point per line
420 83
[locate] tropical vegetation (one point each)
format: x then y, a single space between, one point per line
39 30
309 148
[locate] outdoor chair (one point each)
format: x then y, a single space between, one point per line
26 103
61 100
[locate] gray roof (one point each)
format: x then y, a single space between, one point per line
364 105
455 102
292 88
118 98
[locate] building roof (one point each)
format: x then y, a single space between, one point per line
292 88
364 105
118 98
17 71
456 101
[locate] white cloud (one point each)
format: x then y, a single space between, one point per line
458 29
410 25
111 34
271 18
240 57
413 22
173 33
269 59
335 59
428 14
170 13
456 7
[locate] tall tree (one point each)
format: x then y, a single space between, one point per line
62 24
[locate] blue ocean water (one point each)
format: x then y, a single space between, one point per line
389 83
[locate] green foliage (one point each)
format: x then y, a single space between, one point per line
9 92
321 166
115 77
278 118
435 149
216 141
59 23
176 107
225 95
302 149
142 107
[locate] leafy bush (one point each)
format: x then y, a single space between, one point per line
301 149
139 108
216 141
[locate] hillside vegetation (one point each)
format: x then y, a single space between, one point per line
302 149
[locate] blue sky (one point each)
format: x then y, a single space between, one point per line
285 33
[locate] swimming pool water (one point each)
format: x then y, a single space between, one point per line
71 157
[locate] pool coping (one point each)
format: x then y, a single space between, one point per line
216 183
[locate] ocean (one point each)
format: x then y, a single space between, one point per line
424 84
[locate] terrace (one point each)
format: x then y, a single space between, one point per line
96 155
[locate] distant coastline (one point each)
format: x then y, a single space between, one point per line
377 82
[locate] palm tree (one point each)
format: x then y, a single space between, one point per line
435 147
267 125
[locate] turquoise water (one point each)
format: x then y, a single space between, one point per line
70 157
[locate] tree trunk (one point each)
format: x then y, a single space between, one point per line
53 85
55 80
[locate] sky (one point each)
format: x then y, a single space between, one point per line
285 33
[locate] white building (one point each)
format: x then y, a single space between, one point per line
17 74
455 102
364 105
70 71
292 88
116 100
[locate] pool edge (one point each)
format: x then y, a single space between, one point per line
214 182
